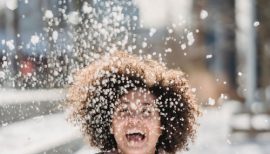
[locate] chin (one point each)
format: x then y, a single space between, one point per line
136 151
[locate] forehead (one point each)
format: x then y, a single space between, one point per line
138 96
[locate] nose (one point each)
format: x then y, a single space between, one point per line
134 119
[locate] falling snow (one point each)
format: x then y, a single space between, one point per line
12 4
193 90
86 8
170 31
256 23
73 18
168 50
144 44
239 73
190 38
10 44
152 32
55 36
211 101
203 14
183 46
34 39
2 74
209 56
48 14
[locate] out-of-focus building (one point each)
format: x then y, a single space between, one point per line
263 14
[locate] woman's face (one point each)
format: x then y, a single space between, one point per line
136 123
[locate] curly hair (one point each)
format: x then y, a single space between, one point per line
91 99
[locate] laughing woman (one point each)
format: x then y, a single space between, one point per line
129 105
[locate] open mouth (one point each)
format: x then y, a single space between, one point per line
135 136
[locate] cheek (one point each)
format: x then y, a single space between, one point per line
117 127
155 128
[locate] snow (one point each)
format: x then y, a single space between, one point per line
4 58
86 8
239 73
193 90
34 39
203 14
73 17
144 44
259 122
36 135
190 38
223 96
55 36
168 50
214 135
211 101
48 14
170 30
10 44
87 150
2 74
12 4
12 96
183 46
256 23
209 56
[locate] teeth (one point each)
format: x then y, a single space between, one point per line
135 131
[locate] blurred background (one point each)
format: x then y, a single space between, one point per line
223 46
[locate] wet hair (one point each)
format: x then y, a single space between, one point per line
92 98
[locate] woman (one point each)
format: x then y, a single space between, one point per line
131 105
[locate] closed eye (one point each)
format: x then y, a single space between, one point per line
123 110
146 112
